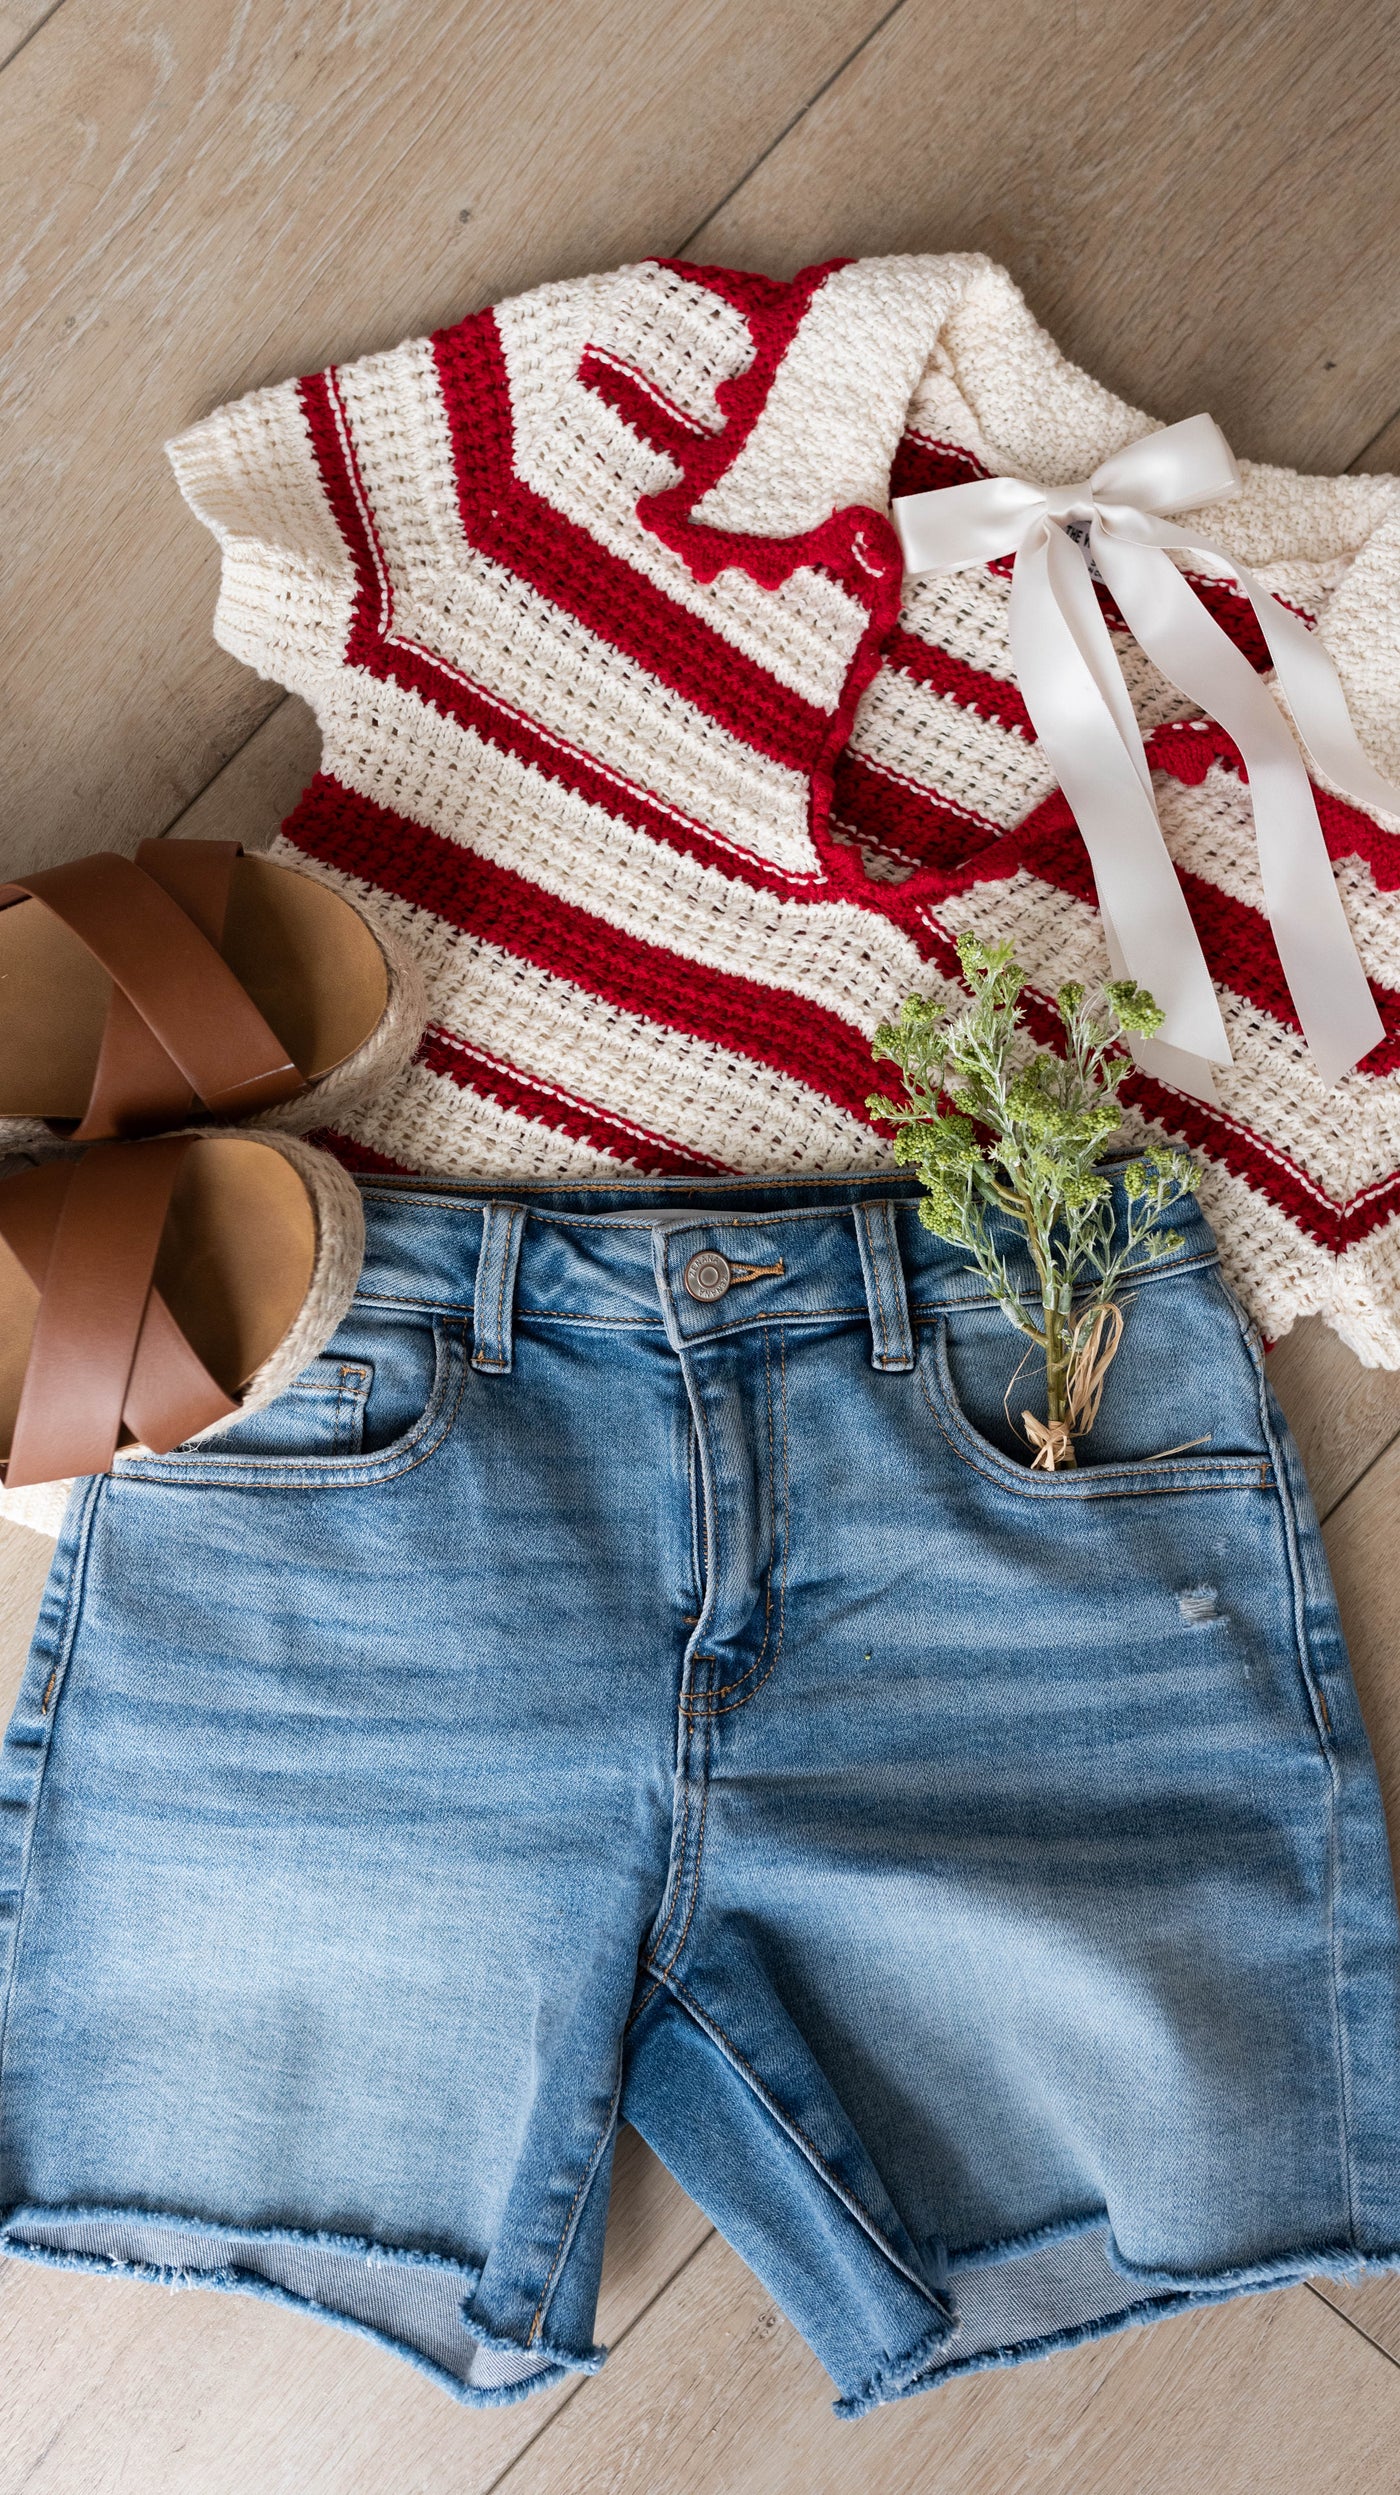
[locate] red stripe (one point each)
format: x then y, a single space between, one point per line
637 401
1190 748
335 457
906 821
361 1158
1236 938
512 525
582 1120
1263 1168
806 1042
1222 1140
972 688
1236 617
510 732
922 466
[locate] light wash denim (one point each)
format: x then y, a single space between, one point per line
579 1700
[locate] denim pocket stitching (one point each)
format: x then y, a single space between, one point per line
1143 1478
354 1379
347 1472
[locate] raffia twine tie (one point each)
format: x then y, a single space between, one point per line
1095 1341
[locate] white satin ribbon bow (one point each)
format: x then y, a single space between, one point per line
1080 708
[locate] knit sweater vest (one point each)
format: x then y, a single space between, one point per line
634 729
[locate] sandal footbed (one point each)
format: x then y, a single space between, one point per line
311 965
235 1265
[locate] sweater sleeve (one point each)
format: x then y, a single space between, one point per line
286 587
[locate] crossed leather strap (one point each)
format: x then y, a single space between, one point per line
180 1027
105 1348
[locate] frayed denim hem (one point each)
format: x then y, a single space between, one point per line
1168 2294
550 2365
1034 2239
898 2374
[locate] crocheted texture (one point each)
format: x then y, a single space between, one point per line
674 787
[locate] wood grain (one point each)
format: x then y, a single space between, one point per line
1372 2307
19 21
1199 201
208 197
713 2394
1381 455
1342 1416
251 797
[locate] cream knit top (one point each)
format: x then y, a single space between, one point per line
676 787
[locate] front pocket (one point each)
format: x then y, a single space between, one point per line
1183 1374
406 1379
322 1412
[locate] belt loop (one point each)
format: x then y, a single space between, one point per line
891 1338
493 1306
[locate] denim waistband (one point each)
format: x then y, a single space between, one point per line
699 1258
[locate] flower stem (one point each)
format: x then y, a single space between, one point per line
1057 1359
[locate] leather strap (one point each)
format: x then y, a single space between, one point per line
180 1026
137 1089
105 1347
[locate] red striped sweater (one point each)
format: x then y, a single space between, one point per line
633 727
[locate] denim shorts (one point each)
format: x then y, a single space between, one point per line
635 1675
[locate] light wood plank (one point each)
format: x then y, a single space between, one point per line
1381 455
109 2388
20 20
210 197
1372 2306
713 2394
251 797
1200 203
1342 1416
24 1568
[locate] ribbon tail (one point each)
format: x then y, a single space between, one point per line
1325 978
1080 709
1178 1067
1313 692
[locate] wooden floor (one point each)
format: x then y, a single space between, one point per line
199 195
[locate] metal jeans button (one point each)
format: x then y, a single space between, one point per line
708 1274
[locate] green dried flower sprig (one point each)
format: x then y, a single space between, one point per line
1047 1120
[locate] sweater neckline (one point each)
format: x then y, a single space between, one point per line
852 356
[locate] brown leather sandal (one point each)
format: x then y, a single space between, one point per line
192 980
151 1291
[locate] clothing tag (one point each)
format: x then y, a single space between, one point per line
1079 531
